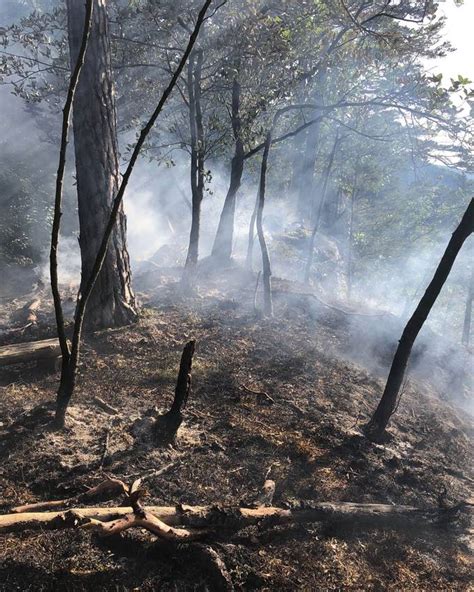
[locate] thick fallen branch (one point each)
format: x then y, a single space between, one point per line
234 518
145 520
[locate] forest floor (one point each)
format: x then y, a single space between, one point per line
306 439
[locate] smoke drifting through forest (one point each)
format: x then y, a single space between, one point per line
159 217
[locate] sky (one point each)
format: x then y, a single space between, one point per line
459 30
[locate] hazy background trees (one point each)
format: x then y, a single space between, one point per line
401 168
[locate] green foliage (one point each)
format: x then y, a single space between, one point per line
26 214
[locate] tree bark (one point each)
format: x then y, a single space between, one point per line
222 248
197 156
375 429
112 302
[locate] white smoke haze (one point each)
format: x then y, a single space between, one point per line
157 205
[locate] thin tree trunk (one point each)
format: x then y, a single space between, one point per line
309 261
222 248
69 370
375 429
466 330
197 156
251 239
53 256
266 266
97 171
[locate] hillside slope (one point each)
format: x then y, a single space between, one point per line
306 438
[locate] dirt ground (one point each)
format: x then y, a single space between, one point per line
307 440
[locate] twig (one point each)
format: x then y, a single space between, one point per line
259 393
105 406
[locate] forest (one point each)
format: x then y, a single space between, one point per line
236 292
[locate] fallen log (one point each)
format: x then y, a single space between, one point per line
33 351
235 518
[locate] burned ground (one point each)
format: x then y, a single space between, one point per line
304 434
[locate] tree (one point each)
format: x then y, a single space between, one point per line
197 155
97 170
70 357
375 429
222 248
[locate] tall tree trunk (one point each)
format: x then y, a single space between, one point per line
375 429
309 261
222 248
197 157
112 302
466 330
266 266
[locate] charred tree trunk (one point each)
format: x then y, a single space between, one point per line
197 156
375 429
166 426
97 169
466 330
222 248
309 261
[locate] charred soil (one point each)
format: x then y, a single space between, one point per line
272 398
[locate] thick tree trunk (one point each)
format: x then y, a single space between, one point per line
375 429
466 330
197 156
222 248
112 301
